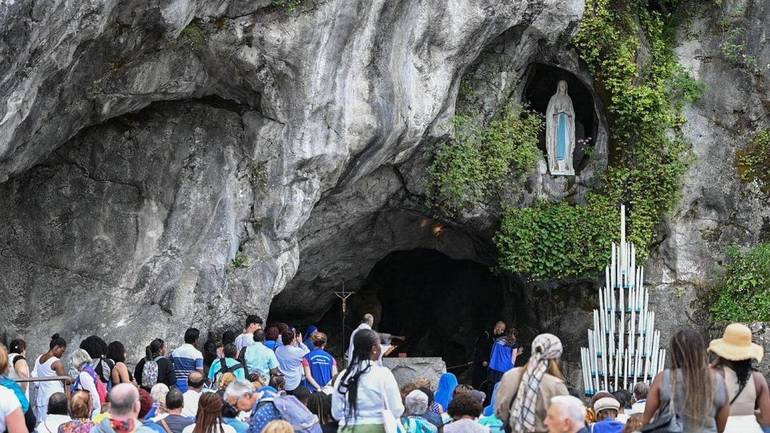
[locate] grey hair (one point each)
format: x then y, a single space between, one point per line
641 390
158 393
416 403
237 389
79 357
123 399
368 318
572 406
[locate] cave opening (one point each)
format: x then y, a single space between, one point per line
541 82
441 305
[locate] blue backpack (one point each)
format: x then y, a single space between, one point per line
287 408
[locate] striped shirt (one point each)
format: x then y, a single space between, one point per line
186 360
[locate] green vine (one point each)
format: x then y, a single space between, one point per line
753 161
644 104
744 292
481 158
289 5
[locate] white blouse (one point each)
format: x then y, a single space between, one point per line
375 387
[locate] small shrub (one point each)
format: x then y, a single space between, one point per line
193 34
743 294
753 161
481 158
240 260
289 5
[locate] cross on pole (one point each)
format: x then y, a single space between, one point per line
343 295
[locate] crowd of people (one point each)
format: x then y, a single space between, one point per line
275 381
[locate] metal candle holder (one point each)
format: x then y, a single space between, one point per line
623 346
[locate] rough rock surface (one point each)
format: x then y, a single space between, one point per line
142 234
408 370
716 210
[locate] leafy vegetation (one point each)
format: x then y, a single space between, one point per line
193 34
644 99
753 161
744 292
289 5
480 158
240 260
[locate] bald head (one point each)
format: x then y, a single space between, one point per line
124 401
368 319
196 380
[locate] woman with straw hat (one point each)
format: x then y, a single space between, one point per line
747 388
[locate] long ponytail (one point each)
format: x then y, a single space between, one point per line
360 363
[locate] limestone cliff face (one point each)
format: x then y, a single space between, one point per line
716 210
182 162
161 161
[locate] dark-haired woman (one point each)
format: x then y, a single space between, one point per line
17 363
699 394
155 367
49 364
117 353
320 404
746 388
365 389
208 419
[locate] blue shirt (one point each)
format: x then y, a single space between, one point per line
229 362
186 360
321 364
239 426
259 358
290 362
608 426
271 344
502 358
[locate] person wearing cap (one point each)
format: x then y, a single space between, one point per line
746 388
606 410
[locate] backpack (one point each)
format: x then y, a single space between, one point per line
101 387
294 412
150 373
104 373
418 425
223 368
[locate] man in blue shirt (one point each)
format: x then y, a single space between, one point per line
320 366
187 358
227 364
259 358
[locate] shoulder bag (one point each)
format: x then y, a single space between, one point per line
667 421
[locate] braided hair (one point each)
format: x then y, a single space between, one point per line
360 363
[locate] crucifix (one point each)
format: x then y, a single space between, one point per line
343 295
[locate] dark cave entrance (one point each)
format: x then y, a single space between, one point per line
439 304
541 81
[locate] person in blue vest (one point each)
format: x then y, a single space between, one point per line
503 356
319 365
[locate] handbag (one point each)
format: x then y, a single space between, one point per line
667 421
389 421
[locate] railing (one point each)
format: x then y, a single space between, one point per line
62 379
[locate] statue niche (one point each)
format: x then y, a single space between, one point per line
560 132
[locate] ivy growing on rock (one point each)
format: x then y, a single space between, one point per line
481 157
743 294
649 155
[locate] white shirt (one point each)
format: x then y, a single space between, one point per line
225 428
87 384
191 398
8 404
52 423
465 425
376 387
243 340
349 353
637 407
290 363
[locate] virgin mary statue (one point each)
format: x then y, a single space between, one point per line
560 132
